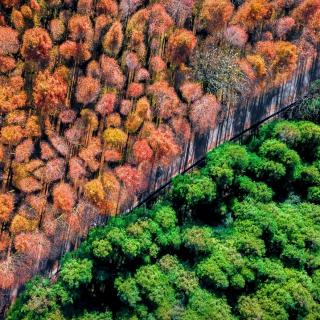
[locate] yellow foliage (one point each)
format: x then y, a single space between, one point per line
115 138
133 123
21 224
258 65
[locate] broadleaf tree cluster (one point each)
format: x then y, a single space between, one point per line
235 239
95 95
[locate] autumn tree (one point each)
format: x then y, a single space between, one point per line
87 90
112 41
50 92
64 197
253 14
204 112
215 14
9 42
37 45
236 36
180 46
180 11
6 206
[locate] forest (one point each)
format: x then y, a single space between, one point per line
237 238
95 95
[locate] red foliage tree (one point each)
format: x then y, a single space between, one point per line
85 6
135 90
79 52
191 91
24 151
35 245
57 29
159 21
9 42
204 112
305 11
284 25
50 92
6 206
165 98
54 170
107 7
7 64
93 69
6 274
12 95
131 178
179 10
4 241
106 104
80 29
253 13
237 36
142 151
128 7
181 127
37 45
88 90
76 169
164 145
125 107
10 3
111 73
64 197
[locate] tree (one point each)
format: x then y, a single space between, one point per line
284 26
76 272
64 197
6 206
112 40
80 29
165 99
88 90
237 36
49 92
253 13
180 11
305 10
130 177
164 145
107 7
111 73
37 45
142 151
204 112
35 245
106 104
9 42
180 46
215 15
218 70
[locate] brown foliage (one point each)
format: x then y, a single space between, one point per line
36 45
